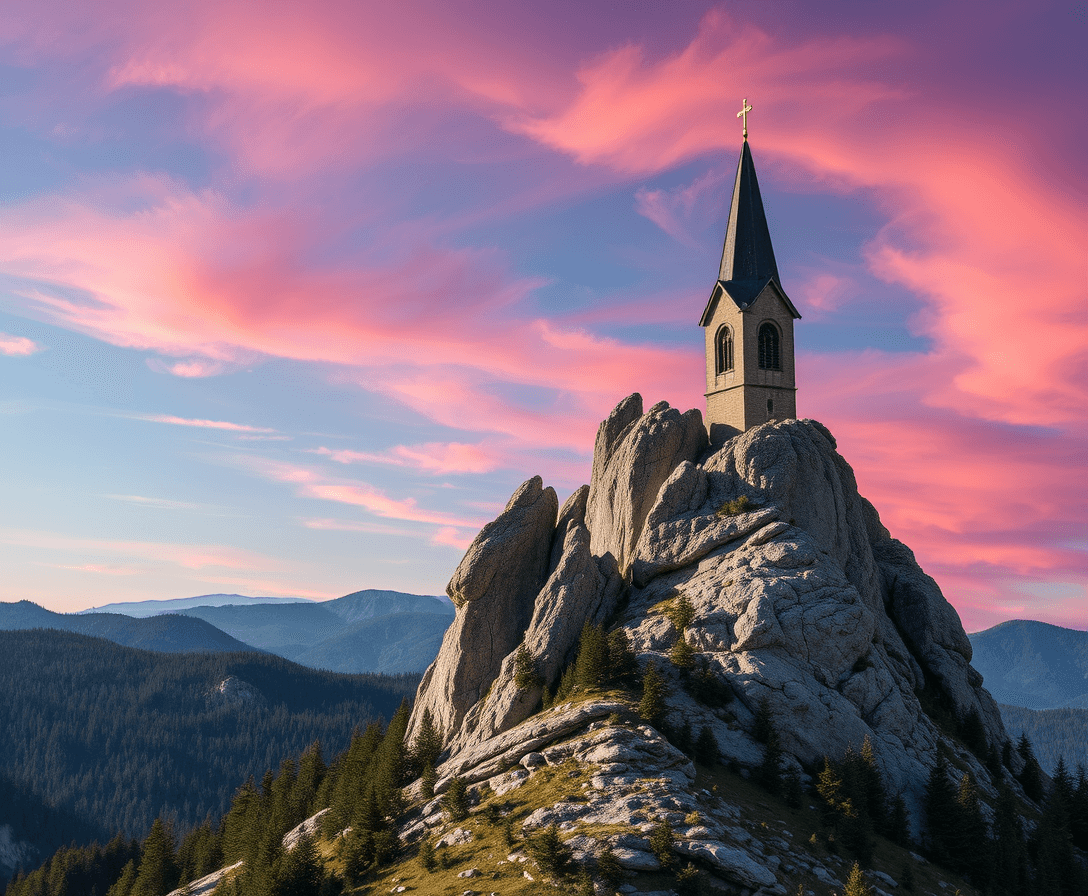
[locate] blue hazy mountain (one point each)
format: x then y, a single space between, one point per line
342 635
1033 664
173 605
1038 673
399 642
166 634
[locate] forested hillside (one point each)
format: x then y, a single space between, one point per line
1054 733
111 737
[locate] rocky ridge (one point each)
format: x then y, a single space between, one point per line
801 602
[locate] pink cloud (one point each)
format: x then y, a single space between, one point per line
313 484
454 538
333 525
186 556
692 207
966 206
17 346
194 367
203 424
988 507
438 458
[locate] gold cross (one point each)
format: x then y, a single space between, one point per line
743 113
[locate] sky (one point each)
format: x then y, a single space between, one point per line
294 295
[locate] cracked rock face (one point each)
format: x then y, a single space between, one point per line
493 590
800 598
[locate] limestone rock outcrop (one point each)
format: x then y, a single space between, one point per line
633 455
800 600
493 589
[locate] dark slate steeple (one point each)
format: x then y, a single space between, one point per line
748 265
748 254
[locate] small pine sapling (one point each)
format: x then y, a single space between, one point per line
609 868
525 674
549 851
661 840
652 705
427 857
706 747
455 799
855 883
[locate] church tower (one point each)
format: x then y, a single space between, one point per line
748 321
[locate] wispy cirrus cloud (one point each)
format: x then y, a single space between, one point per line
312 483
225 425
181 555
438 458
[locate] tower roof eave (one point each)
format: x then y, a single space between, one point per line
744 294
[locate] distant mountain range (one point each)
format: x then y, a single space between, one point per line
367 631
165 634
142 608
1033 664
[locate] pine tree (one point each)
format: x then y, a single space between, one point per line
682 613
123 885
427 780
455 799
769 774
549 851
941 810
388 771
311 774
1057 870
899 822
609 868
681 655
1078 811
829 788
706 747
661 841
855 883
591 666
240 824
299 872
1031 776
426 855
763 724
158 872
970 840
525 674
622 664
652 705
1008 874
873 785
427 746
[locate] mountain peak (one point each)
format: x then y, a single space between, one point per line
756 568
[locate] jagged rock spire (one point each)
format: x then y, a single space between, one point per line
748 254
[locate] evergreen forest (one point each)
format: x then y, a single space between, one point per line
100 739
1001 845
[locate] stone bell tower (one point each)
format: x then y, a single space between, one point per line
748 321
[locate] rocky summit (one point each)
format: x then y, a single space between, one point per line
764 592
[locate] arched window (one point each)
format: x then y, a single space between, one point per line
769 356
724 350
